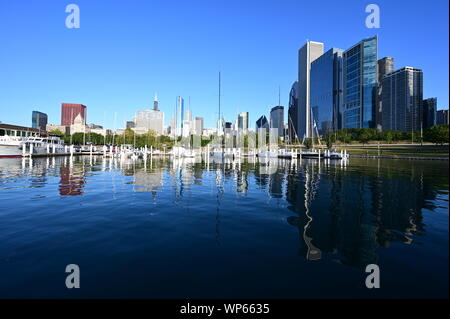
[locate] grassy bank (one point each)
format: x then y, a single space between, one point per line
426 150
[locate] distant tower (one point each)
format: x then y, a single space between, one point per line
155 102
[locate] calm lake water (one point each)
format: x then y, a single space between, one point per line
180 229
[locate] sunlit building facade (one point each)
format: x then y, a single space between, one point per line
360 84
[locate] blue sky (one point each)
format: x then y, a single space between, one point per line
125 51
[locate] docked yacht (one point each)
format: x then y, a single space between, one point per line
333 154
310 153
17 146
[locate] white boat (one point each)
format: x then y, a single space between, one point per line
267 154
17 146
189 153
333 154
177 151
282 153
310 153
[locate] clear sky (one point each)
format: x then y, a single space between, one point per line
125 51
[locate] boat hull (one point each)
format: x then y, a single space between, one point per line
10 151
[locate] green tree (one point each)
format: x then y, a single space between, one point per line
437 134
308 143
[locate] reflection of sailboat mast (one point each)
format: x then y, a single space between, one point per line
310 189
219 193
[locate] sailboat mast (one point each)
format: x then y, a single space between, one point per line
219 97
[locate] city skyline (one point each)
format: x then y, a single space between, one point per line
241 92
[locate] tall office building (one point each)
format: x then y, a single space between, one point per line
385 66
39 120
429 112
70 111
326 91
188 116
262 123
198 125
306 55
155 103
359 84
179 116
149 120
402 99
173 126
130 125
242 122
277 119
442 117
293 112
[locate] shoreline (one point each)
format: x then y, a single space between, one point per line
432 158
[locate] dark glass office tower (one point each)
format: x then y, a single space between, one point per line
277 119
402 99
262 123
442 117
385 66
293 113
429 112
39 120
360 83
326 90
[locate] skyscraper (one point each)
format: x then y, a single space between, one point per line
326 90
277 119
360 82
306 55
402 99
155 103
242 122
293 112
442 117
39 120
179 116
70 111
198 125
262 123
385 66
429 112
150 120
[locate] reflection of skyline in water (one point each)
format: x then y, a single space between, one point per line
347 213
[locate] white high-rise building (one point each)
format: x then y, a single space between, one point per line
198 127
306 55
149 120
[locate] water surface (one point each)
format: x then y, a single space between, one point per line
183 229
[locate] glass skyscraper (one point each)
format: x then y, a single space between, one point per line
179 116
326 90
262 123
242 122
402 100
385 66
429 112
360 83
277 119
293 112
39 120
